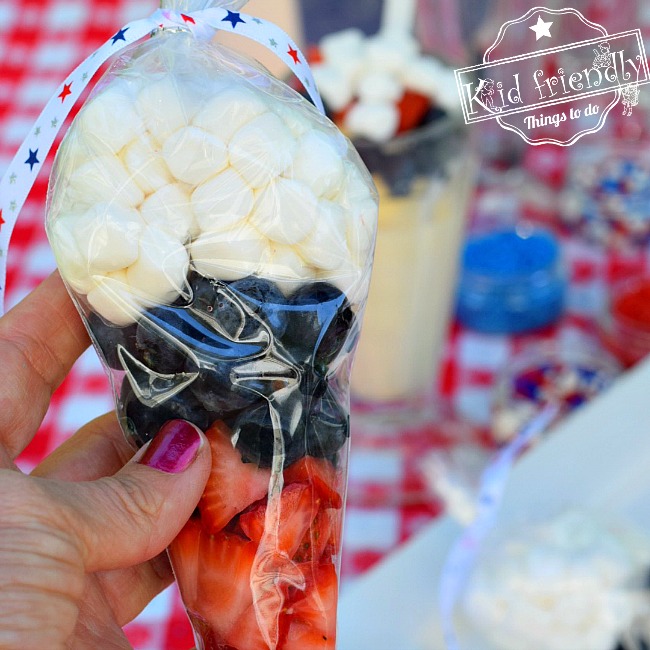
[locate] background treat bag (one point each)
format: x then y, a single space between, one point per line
216 233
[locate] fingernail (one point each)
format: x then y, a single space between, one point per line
174 448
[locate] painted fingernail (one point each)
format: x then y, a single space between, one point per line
174 448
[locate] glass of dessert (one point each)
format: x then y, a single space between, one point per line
216 232
401 110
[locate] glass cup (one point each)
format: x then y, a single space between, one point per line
424 179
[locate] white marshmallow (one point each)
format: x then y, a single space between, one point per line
376 121
103 179
318 164
262 149
361 229
107 236
326 246
294 119
169 208
165 107
72 265
348 279
229 111
228 254
335 87
343 44
143 160
380 86
193 155
358 184
286 268
285 211
110 117
161 268
389 52
222 201
113 299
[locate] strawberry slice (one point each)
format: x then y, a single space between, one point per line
323 538
297 507
233 485
412 107
321 474
311 618
185 559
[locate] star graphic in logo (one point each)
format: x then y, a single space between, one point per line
32 160
541 28
233 18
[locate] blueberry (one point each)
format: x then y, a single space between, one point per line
253 431
108 337
264 299
157 350
320 319
327 427
141 423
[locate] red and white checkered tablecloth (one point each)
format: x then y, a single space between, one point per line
40 42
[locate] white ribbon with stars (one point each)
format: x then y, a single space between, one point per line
21 174
463 554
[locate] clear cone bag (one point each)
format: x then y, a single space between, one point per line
216 234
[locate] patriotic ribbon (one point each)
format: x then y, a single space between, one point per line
23 170
462 556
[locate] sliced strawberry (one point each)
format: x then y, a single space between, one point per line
233 485
412 109
323 538
321 474
311 618
298 505
246 634
184 557
224 586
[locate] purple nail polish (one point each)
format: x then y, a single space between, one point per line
174 448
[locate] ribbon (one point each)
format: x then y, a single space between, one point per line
21 174
462 556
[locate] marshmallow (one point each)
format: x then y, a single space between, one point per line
430 78
169 208
102 179
161 268
318 164
348 279
262 149
335 87
390 53
110 117
376 121
229 111
164 107
286 268
285 211
326 246
72 265
344 44
361 227
113 299
143 161
222 201
379 86
193 155
294 119
107 236
228 254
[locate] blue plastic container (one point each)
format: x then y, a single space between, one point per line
511 281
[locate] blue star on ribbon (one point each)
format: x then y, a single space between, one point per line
233 18
32 160
119 36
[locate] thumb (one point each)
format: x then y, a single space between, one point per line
130 517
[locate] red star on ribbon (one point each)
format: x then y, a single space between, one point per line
188 19
65 92
294 55
1 219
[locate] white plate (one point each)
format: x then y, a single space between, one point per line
598 458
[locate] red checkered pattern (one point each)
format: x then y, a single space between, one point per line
40 42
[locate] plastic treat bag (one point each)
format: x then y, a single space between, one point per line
216 232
